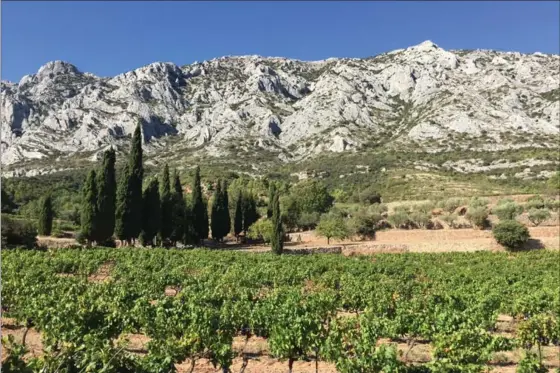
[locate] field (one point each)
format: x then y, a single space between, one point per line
160 310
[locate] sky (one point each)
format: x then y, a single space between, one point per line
107 38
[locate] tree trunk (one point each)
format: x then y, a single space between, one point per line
328 240
193 361
24 337
290 365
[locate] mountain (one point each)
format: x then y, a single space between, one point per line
419 99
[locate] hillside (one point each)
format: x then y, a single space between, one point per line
252 113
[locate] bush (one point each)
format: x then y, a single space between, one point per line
399 219
261 230
420 219
449 219
332 225
18 233
452 204
369 196
504 201
478 217
537 216
477 202
511 234
535 202
553 204
308 220
362 225
425 207
312 196
507 210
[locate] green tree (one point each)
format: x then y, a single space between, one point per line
46 214
199 209
107 187
179 212
226 213
216 217
89 217
151 218
277 238
129 196
332 226
313 197
238 217
511 234
250 214
166 203
271 193
537 216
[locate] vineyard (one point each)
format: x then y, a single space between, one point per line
343 314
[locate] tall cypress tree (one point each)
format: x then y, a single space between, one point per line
250 214
225 204
46 214
151 218
166 225
129 196
199 209
89 216
107 187
216 218
178 211
271 192
277 239
238 217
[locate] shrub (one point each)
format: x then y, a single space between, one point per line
369 196
452 204
537 216
312 196
399 219
504 201
477 202
362 225
18 233
425 207
261 230
511 234
378 208
553 204
449 219
507 210
308 220
421 219
478 217
530 364
536 202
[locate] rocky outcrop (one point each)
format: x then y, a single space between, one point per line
435 99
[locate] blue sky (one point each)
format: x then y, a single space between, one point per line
108 38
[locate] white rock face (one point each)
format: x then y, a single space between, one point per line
422 94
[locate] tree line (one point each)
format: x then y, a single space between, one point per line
159 214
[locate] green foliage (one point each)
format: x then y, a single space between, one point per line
450 219
452 204
277 238
399 219
332 225
238 216
178 212
530 364
151 214
308 220
271 193
18 232
535 202
507 210
369 196
478 216
291 211
511 234
250 213
420 219
312 196
8 204
219 215
90 217
46 213
166 206
261 230
477 202
199 208
362 225
106 198
537 216
226 213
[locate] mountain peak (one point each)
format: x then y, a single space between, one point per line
58 67
425 45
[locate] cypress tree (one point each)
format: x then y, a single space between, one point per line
151 218
107 186
225 203
178 211
271 192
238 217
166 225
89 216
250 214
216 218
129 196
199 209
46 214
190 236
277 239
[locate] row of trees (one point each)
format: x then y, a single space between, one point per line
159 214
